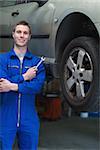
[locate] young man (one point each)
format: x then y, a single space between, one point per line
20 81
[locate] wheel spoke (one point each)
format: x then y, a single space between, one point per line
87 75
80 58
70 82
80 89
70 63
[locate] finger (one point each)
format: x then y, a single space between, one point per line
2 79
35 68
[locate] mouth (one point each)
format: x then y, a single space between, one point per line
21 41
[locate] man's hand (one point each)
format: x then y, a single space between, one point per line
30 73
6 86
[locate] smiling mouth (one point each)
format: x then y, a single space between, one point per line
22 41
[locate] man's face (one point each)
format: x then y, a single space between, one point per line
21 35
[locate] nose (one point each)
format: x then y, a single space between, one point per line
22 34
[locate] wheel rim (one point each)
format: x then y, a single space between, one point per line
78 73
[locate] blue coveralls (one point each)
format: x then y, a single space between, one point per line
17 109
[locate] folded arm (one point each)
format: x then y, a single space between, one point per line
33 86
29 82
31 72
27 87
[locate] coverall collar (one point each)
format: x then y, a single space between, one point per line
27 55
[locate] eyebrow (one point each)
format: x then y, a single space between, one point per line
21 31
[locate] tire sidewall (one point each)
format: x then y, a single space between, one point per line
89 45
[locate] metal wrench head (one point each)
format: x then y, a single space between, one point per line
43 58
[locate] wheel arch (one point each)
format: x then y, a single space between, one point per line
72 26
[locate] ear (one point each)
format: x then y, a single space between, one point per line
13 34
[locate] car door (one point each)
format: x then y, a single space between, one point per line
10 13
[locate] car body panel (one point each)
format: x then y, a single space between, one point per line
87 7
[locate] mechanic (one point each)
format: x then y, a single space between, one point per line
20 81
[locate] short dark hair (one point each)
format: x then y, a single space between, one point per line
22 23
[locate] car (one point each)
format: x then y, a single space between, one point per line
67 33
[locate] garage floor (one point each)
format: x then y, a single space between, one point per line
72 133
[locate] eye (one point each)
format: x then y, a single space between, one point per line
18 31
25 32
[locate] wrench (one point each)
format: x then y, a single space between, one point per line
41 60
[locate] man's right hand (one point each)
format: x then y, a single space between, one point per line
6 86
30 73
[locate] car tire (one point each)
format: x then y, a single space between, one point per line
79 74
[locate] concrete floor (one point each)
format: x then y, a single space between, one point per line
72 133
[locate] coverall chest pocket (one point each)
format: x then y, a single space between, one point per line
13 69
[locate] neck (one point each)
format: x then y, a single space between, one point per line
20 50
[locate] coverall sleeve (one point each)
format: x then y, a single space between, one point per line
33 86
4 71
